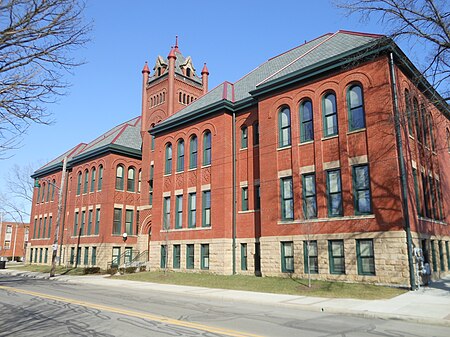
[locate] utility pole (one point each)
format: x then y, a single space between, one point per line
58 219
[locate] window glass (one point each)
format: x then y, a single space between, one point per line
207 148
284 127
330 115
306 118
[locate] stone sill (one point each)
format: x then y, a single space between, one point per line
341 218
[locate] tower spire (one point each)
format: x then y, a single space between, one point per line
176 44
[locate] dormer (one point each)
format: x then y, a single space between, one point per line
160 66
187 67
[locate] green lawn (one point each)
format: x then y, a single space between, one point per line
276 285
46 269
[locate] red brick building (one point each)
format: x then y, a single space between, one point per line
296 168
13 239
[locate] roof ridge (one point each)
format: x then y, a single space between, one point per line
350 32
120 133
297 58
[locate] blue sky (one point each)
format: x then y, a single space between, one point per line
232 37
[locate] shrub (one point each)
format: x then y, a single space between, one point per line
91 270
112 271
142 268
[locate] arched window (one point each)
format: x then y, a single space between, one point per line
43 192
284 127
417 120
424 124
100 178
207 148
139 180
355 105
48 193
86 181
151 101
130 179
93 174
184 98
53 189
306 121
180 155
180 97
430 127
193 148
448 140
119 178
244 137
79 183
255 133
168 166
188 72
164 96
408 112
159 71
330 123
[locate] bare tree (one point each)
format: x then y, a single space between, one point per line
37 40
424 23
15 201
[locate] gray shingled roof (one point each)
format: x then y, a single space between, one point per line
126 135
325 47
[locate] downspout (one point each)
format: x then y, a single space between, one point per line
403 176
234 192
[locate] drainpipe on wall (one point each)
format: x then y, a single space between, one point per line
234 192
63 219
403 176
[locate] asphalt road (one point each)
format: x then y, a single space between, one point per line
30 307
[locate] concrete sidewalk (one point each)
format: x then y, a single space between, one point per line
428 305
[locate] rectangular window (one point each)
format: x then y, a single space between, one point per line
40 228
97 221
243 256
115 257
433 197
439 198
244 197
287 199
189 256
255 134
179 211
417 193
83 221
447 249
244 138
365 256
86 256
334 193
46 255
361 189
50 219
426 195
34 229
257 197
35 255
31 255
433 255
309 196
206 209
94 256
72 255
176 256
311 257
44 232
7 244
89 227
117 221
75 225
150 186
163 262
166 213
129 221
137 222
78 256
128 256
336 256
441 256
204 256
287 257
192 210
